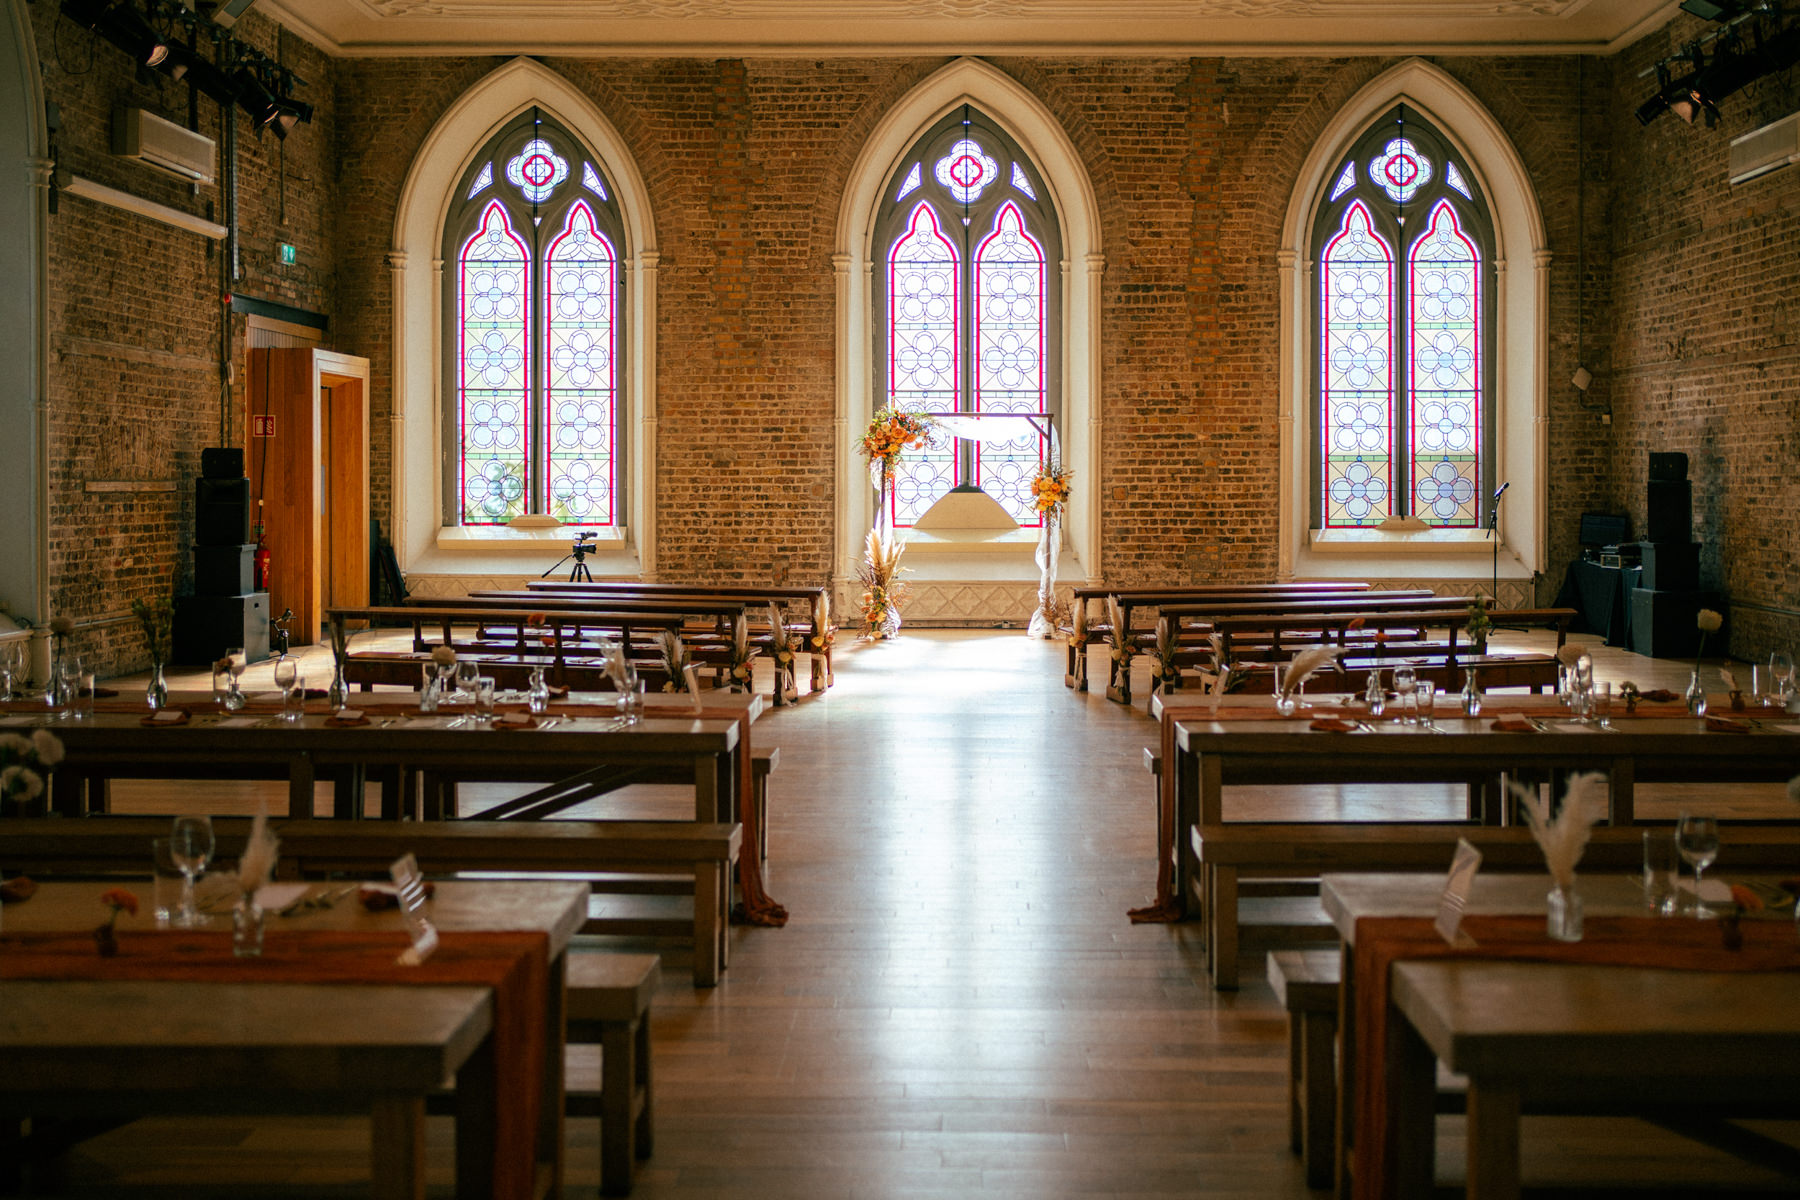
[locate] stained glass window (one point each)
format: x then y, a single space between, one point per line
964 312
534 302
1403 361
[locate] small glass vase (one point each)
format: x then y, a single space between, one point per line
1471 694
340 692
247 927
890 622
1563 914
537 697
1696 695
156 692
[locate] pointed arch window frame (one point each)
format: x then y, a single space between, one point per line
543 217
975 212
1402 215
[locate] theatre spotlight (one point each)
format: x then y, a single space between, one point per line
127 29
254 97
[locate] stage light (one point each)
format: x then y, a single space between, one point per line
254 97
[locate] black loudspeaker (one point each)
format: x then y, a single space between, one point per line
225 570
1603 529
1668 466
1662 623
227 462
1671 515
207 626
1670 566
221 512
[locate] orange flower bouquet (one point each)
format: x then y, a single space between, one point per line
115 899
1050 489
890 434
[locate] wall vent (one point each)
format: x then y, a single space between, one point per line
1767 149
163 145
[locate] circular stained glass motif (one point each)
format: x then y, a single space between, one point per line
1360 491
1400 170
537 170
967 171
1444 491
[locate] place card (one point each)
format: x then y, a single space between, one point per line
1455 897
18 722
241 723
693 686
411 890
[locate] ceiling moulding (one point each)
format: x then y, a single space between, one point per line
766 28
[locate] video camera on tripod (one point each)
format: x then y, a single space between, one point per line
579 549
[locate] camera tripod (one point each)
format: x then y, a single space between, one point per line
578 573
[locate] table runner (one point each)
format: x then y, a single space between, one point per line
1167 907
1655 942
514 964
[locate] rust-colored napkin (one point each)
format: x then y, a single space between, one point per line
348 717
1331 725
17 890
1513 725
1726 725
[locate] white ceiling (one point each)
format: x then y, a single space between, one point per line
714 28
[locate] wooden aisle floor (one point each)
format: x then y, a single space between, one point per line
958 1007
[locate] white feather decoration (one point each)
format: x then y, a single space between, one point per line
1730 678
1306 664
257 866
1564 837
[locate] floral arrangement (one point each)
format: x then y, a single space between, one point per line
741 653
1168 675
1563 836
783 646
1628 692
1050 488
1706 621
676 661
1480 624
890 434
1118 636
443 656
106 941
157 616
24 762
883 591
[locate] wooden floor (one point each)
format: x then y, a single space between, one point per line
958 1007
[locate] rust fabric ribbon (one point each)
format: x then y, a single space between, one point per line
515 964
1657 942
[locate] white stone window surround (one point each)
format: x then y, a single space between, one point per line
423 543
1521 389
1025 118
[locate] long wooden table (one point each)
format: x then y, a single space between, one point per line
384 1047
1610 1038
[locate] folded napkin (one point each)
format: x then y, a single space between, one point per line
348 716
376 896
1657 695
166 716
1513 725
1331 725
515 720
1726 725
318 694
104 693
17 890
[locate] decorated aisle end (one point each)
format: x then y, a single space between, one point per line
1050 494
890 434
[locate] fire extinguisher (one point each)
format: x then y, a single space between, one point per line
261 567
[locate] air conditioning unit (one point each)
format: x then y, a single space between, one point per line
162 144
1767 149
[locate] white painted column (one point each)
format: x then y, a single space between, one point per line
1291 509
396 261
643 468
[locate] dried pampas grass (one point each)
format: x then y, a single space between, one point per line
1564 836
1306 664
257 866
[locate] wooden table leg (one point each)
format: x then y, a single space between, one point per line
1493 1141
300 787
645 1139
618 1075
1412 1108
550 1100
397 1148
1221 919
475 1109
1624 791
1316 1034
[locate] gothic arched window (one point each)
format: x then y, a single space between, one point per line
1403 338
533 288
967 303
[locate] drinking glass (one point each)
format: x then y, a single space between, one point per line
1661 869
12 665
484 699
631 700
66 685
1602 703
1404 684
293 696
191 846
1781 674
165 881
1425 695
1697 838
1285 705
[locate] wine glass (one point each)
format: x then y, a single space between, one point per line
1405 681
285 671
467 672
1697 840
191 844
1781 674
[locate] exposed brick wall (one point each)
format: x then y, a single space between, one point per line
135 310
1706 280
1192 163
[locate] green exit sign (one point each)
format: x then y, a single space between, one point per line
288 255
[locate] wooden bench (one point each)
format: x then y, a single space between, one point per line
596 850
1240 850
1306 986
